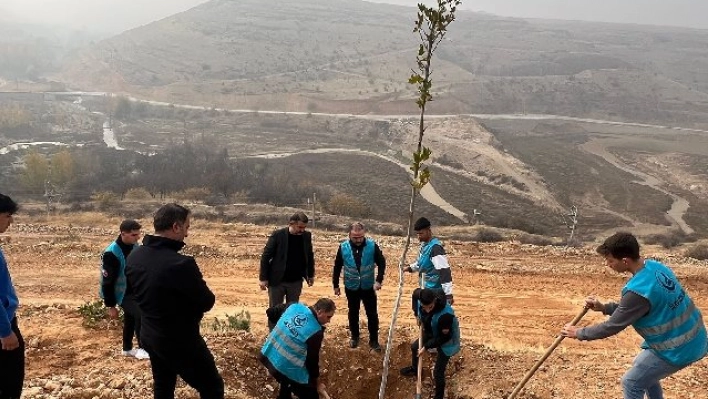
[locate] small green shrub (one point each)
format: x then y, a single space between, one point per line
94 314
237 322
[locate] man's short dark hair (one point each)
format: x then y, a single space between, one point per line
325 304
421 224
427 296
129 225
299 217
168 215
357 226
620 245
7 205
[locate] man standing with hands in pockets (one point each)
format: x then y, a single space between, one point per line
359 256
287 259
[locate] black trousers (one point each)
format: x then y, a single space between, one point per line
439 370
131 322
12 367
354 300
286 291
288 389
189 359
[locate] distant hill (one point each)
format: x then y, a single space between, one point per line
355 56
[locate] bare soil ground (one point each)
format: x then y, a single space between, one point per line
511 299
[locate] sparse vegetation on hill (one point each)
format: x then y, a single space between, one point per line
326 59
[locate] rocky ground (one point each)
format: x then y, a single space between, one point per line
512 299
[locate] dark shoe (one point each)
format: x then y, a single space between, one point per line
354 342
375 346
409 371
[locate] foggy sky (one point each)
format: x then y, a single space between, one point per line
113 16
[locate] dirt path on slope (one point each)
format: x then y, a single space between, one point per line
679 206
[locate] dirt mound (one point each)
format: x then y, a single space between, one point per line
79 362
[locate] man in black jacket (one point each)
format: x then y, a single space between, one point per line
287 259
115 290
173 297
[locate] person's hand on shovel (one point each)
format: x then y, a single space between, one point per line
593 303
322 391
570 331
421 351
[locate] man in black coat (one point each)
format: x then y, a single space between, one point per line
287 260
173 297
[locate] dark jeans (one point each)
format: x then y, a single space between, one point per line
285 291
131 323
438 371
288 388
354 300
191 360
12 368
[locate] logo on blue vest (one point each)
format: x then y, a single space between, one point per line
667 282
296 322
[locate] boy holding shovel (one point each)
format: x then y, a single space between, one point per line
441 331
656 305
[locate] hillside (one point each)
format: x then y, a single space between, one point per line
353 56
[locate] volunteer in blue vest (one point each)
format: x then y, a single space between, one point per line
12 350
291 352
432 260
114 289
660 310
441 331
364 267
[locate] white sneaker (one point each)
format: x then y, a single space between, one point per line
131 352
141 354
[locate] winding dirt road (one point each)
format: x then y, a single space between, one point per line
679 206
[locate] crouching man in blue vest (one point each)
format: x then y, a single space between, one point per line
364 267
441 331
114 288
291 352
656 305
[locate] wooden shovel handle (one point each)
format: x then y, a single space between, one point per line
540 361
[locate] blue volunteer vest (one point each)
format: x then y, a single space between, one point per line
121 282
362 277
286 345
673 328
452 346
425 265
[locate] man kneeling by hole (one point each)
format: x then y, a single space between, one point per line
291 352
441 331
